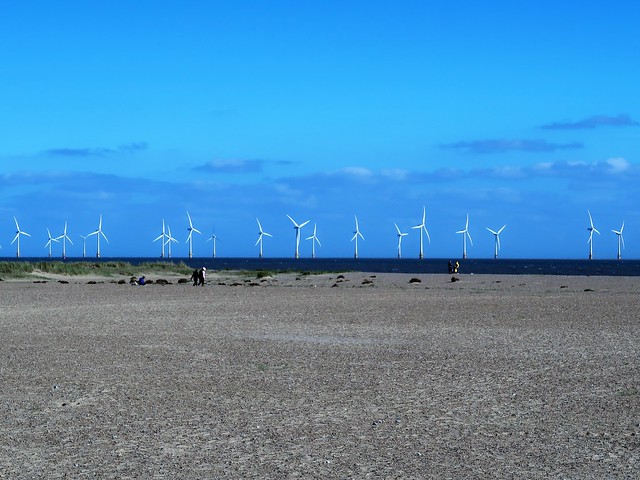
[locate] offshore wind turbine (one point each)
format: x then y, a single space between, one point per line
400 235
261 234
84 245
169 240
161 237
64 237
591 229
213 238
497 239
422 227
620 239
297 229
49 241
97 233
465 233
356 234
191 229
17 237
314 238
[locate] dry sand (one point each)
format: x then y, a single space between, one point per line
369 376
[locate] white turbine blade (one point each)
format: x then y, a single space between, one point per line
622 227
469 235
259 226
399 232
293 221
424 215
500 231
590 218
267 234
105 237
69 239
17 226
498 240
355 234
361 236
418 226
590 236
492 231
317 240
189 236
189 217
404 234
427 232
259 239
25 233
196 230
466 227
461 231
15 238
622 239
595 230
303 224
159 237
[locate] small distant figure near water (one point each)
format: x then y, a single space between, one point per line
133 281
456 267
195 276
142 281
450 266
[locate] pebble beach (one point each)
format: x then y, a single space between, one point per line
353 375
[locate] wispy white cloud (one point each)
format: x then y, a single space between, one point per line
508 145
70 152
231 166
622 120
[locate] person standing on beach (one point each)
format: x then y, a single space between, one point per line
195 276
202 274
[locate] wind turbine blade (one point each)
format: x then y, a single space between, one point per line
317 240
259 226
590 218
267 234
196 230
352 238
399 232
303 224
500 231
258 241
189 236
293 221
622 228
159 237
466 227
25 233
595 230
17 226
105 237
424 215
469 235
189 217
622 239
492 231
498 240
427 232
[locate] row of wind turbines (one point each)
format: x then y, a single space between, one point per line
166 239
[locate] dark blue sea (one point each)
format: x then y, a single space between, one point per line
393 265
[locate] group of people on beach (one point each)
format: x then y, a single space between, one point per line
198 276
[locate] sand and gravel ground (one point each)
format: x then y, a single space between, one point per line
367 376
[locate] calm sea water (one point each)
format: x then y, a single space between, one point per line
393 265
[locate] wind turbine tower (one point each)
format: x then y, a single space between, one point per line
620 240
497 240
191 229
64 237
400 235
169 240
213 238
465 233
97 233
261 235
297 229
84 245
17 237
356 234
161 237
422 227
314 238
591 229
49 241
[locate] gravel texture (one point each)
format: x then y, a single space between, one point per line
315 376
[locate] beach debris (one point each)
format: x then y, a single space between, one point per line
367 281
121 282
63 281
455 279
183 280
340 277
415 280
589 290
161 281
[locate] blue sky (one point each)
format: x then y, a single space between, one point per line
524 115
